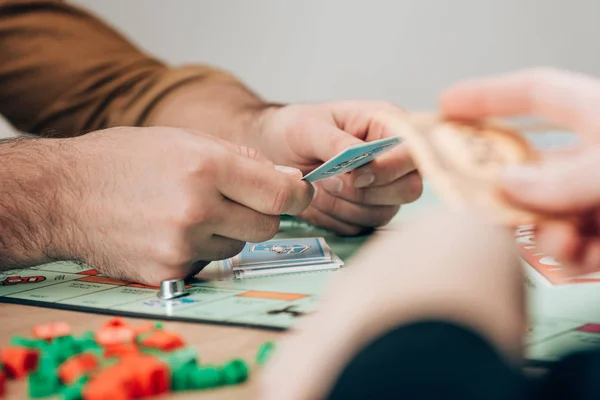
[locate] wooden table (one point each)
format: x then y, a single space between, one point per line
215 344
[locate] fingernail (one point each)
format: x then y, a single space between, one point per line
333 185
288 170
363 180
520 174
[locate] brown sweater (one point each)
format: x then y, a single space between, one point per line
63 72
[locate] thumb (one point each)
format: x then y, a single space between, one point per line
253 154
332 141
561 185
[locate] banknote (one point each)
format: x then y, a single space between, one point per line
464 160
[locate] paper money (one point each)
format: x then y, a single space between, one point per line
464 160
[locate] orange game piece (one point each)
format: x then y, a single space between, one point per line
143 328
101 389
150 375
163 340
112 383
111 335
120 350
51 330
18 361
76 366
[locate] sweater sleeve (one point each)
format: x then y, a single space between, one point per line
64 72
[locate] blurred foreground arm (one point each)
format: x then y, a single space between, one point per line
445 268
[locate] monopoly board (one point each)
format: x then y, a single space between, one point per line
564 315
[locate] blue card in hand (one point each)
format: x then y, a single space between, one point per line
352 158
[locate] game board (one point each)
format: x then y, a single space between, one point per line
561 321
564 317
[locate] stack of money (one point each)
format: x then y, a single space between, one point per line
464 161
284 256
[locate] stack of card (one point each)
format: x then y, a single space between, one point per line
284 256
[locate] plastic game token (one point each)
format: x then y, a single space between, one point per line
172 289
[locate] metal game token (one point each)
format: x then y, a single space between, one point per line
172 289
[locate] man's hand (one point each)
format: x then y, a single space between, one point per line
157 203
566 183
305 136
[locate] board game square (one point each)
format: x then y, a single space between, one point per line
272 295
589 328
102 279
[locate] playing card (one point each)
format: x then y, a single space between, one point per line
286 251
244 273
352 158
282 264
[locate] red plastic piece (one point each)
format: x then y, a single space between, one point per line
150 375
77 366
18 361
51 330
589 328
2 383
115 323
112 335
143 328
163 340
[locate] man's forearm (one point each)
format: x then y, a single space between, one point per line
32 227
221 107
64 72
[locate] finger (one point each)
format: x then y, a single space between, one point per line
316 217
328 142
565 98
190 261
241 223
567 185
351 213
154 276
559 239
386 169
266 190
218 247
367 119
591 259
214 247
354 122
403 191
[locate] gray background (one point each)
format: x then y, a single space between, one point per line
404 51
